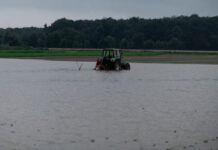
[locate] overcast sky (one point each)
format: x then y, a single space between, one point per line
25 13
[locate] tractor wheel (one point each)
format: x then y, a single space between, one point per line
127 66
117 66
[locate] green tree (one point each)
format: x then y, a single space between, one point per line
183 32
138 40
149 44
123 43
33 40
10 38
108 42
160 45
175 43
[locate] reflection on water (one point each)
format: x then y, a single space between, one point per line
50 105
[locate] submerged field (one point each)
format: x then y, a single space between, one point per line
51 105
161 56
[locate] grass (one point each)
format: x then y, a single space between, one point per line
32 52
41 53
45 53
181 57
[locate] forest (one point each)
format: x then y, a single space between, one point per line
181 32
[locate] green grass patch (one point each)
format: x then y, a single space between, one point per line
41 53
46 53
37 52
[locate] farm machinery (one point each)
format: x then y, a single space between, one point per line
111 59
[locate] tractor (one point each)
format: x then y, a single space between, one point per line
111 59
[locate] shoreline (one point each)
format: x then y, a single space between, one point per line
167 58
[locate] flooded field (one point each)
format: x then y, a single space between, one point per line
50 105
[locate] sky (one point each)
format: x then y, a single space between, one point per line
27 13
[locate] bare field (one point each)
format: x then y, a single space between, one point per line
168 58
183 59
136 50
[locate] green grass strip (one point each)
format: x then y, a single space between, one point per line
44 53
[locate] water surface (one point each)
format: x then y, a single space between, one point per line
50 105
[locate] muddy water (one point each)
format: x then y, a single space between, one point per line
50 105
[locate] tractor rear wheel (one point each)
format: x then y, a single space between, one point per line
117 66
127 66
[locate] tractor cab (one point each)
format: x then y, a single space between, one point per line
111 59
111 53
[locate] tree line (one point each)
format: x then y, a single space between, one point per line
182 32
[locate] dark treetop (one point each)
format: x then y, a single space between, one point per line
183 32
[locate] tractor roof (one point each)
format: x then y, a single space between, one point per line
111 49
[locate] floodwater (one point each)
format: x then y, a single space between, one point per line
51 105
